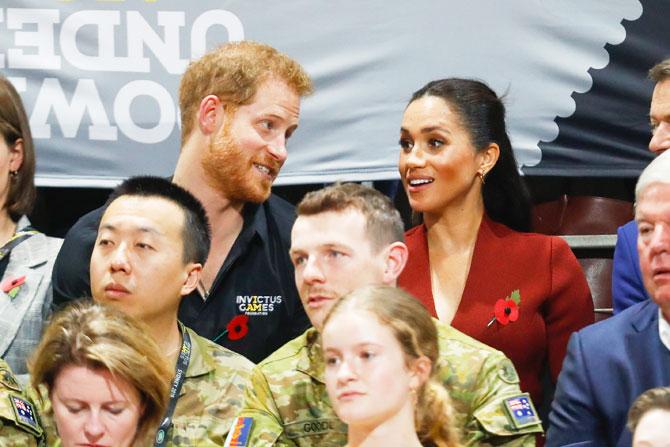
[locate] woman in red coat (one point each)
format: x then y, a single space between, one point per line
472 262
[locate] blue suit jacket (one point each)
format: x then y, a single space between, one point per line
627 286
607 366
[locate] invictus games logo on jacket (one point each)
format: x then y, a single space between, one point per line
258 304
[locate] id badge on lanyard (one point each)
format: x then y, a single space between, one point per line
177 382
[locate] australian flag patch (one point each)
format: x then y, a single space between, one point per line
521 410
25 413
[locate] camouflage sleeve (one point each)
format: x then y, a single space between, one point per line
41 400
19 420
11 436
267 428
491 423
208 408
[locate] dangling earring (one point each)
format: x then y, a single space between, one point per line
482 176
14 173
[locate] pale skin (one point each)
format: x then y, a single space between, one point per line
137 265
436 150
652 429
369 380
659 118
93 408
332 255
275 101
652 214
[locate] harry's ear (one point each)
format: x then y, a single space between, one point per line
210 114
396 257
193 272
489 158
16 155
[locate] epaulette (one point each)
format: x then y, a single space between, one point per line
16 408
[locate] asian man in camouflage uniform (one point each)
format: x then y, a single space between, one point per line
347 236
19 422
152 242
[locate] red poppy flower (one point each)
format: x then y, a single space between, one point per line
10 283
506 311
238 328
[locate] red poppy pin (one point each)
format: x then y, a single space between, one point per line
238 327
11 286
506 310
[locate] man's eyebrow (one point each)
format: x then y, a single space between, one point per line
107 226
326 245
274 115
143 229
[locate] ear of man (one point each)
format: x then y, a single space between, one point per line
193 272
211 114
395 258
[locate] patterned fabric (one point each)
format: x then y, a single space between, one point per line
211 396
19 421
22 316
290 406
209 401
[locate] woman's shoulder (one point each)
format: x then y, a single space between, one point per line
506 233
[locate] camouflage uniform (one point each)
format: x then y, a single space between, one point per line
290 406
15 429
210 397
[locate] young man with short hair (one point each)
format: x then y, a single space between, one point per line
149 252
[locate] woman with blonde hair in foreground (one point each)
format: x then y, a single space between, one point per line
104 376
649 417
381 349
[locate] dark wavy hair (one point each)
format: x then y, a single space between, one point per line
13 127
482 114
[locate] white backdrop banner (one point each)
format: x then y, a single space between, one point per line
100 78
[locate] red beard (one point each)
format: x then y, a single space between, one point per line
230 170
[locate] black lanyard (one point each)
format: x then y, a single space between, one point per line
177 382
15 240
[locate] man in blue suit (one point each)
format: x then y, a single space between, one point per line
627 287
612 362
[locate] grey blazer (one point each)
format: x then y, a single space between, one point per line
22 318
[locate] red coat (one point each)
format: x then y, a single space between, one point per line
555 298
